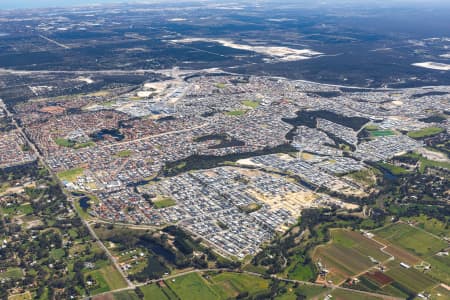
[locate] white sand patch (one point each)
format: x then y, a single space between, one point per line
85 79
248 162
279 53
144 94
433 65
280 20
433 155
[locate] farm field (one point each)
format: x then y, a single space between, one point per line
411 279
348 254
349 295
411 239
154 292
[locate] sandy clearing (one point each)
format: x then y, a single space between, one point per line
433 66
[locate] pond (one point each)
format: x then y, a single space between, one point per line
84 203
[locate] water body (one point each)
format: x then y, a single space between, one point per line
84 203
115 133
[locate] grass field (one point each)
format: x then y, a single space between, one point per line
153 292
126 295
426 132
299 271
164 202
440 293
192 287
12 273
236 113
425 163
348 254
250 103
70 175
124 153
412 239
57 254
23 209
64 143
368 177
306 290
72 144
107 278
395 170
431 225
231 284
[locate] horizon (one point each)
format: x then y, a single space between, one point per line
31 4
